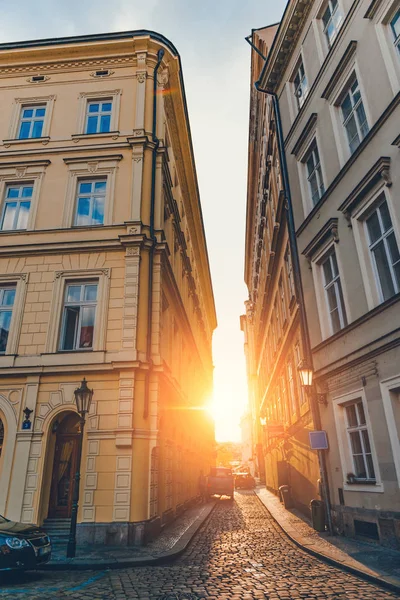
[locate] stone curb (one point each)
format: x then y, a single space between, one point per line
302 543
163 557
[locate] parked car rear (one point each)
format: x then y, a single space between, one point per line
244 481
220 482
22 546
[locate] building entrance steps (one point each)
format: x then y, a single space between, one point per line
368 560
172 541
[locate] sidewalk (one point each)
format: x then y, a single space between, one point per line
169 544
368 560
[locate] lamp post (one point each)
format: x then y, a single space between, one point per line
306 374
83 398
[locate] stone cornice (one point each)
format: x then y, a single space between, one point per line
84 159
25 163
372 9
308 127
381 169
329 230
342 64
284 42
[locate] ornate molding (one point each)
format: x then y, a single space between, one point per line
141 76
73 64
380 170
107 73
328 231
33 80
133 251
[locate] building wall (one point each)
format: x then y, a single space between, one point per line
272 333
147 434
357 360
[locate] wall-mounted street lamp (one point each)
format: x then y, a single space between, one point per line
306 374
83 399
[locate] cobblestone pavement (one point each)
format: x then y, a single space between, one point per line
239 554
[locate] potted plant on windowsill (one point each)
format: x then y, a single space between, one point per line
351 478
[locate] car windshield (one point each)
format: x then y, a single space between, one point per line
221 472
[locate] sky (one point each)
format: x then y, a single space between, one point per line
209 36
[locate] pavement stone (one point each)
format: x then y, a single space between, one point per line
240 553
369 559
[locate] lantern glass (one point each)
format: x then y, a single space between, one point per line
306 374
83 398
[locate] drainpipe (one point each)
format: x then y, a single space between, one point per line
156 143
299 288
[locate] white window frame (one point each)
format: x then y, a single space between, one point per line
319 286
98 114
346 457
81 304
99 168
317 171
18 106
391 56
353 114
20 281
328 4
85 98
62 278
31 120
335 283
312 138
303 85
350 73
388 388
19 200
23 174
358 218
92 195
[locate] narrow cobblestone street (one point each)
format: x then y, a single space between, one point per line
240 554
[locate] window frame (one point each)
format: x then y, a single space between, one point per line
7 308
81 303
353 114
19 281
345 452
101 95
104 168
358 218
299 100
92 197
317 171
319 286
390 51
18 200
329 41
18 106
336 284
32 120
99 114
359 427
62 279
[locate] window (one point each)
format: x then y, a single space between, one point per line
90 202
358 436
98 116
354 117
314 174
300 86
17 204
332 19
79 316
384 250
31 121
283 299
333 293
289 272
7 297
292 391
395 29
297 359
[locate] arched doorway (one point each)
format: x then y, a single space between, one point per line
64 466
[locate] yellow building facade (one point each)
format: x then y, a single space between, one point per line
104 274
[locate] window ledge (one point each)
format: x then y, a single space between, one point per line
363 486
91 136
43 140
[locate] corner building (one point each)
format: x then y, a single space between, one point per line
104 274
335 66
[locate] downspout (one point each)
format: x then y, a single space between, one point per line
156 143
299 289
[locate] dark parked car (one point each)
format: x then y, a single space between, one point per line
244 481
22 546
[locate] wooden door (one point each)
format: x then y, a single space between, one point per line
64 469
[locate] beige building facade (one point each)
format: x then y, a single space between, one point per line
104 274
335 66
281 411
